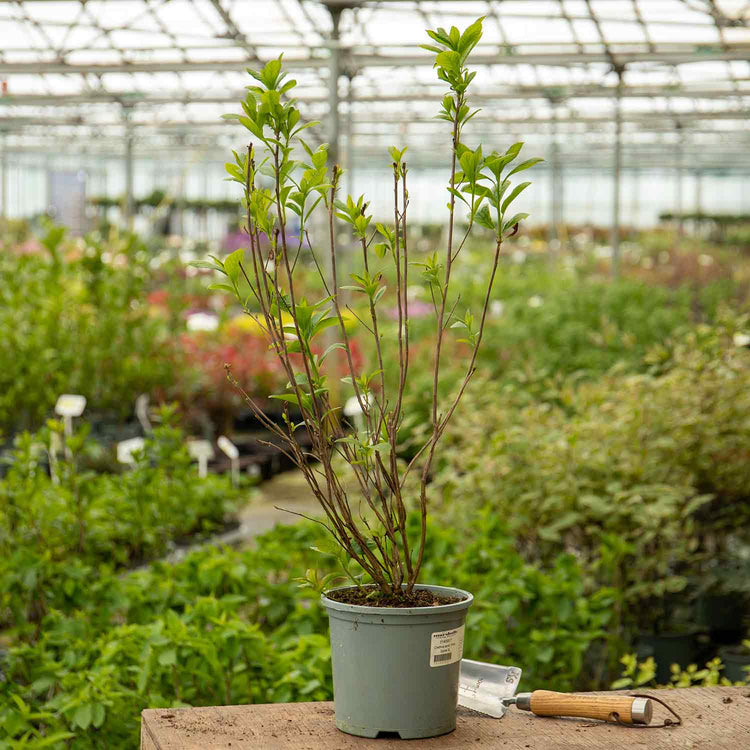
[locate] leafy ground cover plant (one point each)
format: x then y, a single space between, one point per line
57 528
638 674
641 476
264 282
228 626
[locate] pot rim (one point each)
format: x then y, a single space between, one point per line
440 609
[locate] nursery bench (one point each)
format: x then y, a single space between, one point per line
716 718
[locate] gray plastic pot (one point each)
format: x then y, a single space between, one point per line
396 670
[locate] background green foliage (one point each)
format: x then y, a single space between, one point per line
640 476
227 626
73 323
595 482
548 324
55 533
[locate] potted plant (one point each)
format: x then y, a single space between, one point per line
396 643
736 660
723 586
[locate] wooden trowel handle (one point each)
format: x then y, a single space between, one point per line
603 707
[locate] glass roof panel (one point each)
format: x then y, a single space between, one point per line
72 66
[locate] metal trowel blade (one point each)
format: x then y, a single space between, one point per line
483 687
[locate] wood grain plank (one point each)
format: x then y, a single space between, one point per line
715 718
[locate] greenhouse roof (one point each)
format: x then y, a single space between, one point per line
90 72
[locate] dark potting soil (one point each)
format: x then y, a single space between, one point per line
368 596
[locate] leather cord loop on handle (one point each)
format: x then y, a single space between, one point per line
614 716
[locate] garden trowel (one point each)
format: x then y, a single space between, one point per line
491 688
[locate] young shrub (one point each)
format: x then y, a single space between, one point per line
278 185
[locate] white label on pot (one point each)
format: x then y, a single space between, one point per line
446 647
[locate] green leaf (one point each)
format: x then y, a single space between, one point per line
145 671
512 222
287 86
168 658
83 715
290 397
320 157
514 149
42 684
98 715
248 123
472 34
545 654
439 36
205 264
623 682
232 264
53 739
397 155
516 192
222 287
307 125
378 295
310 686
449 60
323 324
331 348
381 249
271 72
484 218
525 165
456 194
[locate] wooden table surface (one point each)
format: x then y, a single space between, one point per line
713 719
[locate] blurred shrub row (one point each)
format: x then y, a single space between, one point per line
645 478
56 516
226 627
594 482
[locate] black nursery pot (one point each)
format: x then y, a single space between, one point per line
723 615
735 659
667 649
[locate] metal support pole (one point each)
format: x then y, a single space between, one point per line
3 176
349 135
615 241
334 73
129 203
698 191
556 183
679 170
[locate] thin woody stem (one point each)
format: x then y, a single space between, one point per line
285 255
373 530
334 293
444 421
376 336
438 346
